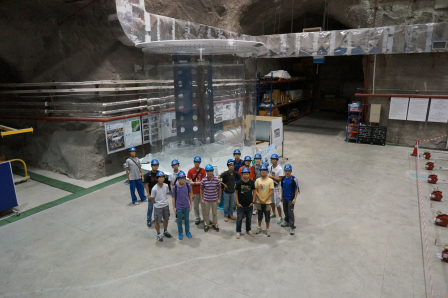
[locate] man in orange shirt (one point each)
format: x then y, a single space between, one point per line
247 162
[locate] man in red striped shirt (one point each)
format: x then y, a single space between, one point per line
210 196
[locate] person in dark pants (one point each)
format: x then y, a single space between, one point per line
150 181
135 176
245 199
290 190
229 178
264 187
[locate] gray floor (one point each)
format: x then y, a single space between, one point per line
358 235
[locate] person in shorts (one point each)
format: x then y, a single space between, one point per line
135 176
290 190
195 176
151 180
182 203
245 199
276 174
229 179
264 187
161 206
172 178
210 197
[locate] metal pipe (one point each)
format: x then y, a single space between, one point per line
103 82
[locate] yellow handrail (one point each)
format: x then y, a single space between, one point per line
24 167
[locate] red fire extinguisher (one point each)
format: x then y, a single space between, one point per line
427 155
432 178
445 253
429 166
436 195
441 219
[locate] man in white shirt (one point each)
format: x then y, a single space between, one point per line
161 206
276 173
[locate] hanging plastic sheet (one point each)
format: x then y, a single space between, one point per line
273 45
307 40
416 37
375 41
341 42
396 42
323 43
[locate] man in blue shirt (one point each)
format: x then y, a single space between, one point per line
237 161
288 195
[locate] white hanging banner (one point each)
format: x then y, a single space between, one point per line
418 108
277 131
398 108
438 111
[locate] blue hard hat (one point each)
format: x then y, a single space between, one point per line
274 156
263 167
247 158
160 174
229 161
237 151
174 162
258 155
209 168
154 162
132 149
288 167
197 159
181 175
245 170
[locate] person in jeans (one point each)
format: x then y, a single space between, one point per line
228 182
135 176
237 159
247 162
195 176
290 190
276 173
150 181
172 178
256 167
210 197
182 203
264 187
245 199
161 206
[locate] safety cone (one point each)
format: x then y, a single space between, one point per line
414 153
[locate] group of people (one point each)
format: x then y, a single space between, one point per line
257 189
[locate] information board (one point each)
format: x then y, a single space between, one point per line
132 132
398 108
438 112
418 108
123 134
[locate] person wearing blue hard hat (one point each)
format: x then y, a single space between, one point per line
150 181
172 178
237 159
257 158
290 190
229 179
161 206
247 164
210 197
134 173
195 176
276 173
245 199
264 187
182 204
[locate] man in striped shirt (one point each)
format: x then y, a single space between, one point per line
210 196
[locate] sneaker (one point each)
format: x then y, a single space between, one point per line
189 235
216 228
181 236
166 234
148 223
135 203
238 235
255 212
279 221
233 217
273 215
206 229
160 238
292 231
258 231
226 219
197 221
285 224
250 233
268 233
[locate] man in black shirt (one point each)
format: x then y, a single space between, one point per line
245 199
150 181
228 182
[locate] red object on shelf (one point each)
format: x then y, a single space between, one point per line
427 155
429 166
436 195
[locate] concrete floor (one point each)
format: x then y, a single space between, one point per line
358 235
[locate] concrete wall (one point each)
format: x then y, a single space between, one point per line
410 74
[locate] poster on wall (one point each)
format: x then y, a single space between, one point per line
276 131
166 125
266 154
155 133
398 108
218 113
233 110
115 140
173 124
146 129
418 108
438 112
240 108
132 132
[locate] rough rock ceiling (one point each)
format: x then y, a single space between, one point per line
255 17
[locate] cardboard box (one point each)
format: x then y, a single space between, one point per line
275 113
375 111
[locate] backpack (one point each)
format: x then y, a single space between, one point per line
293 182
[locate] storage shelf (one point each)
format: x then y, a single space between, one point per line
353 134
292 80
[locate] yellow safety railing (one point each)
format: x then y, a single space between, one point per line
12 131
26 178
